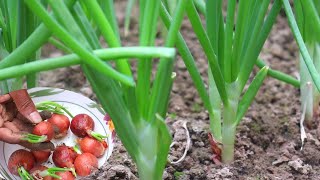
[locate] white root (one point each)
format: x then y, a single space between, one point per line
187 146
172 144
302 130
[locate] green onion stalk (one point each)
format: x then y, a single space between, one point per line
32 138
232 47
23 173
307 15
16 24
53 107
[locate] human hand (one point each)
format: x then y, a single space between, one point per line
18 115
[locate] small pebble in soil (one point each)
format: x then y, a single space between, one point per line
223 173
197 173
165 175
299 166
281 160
198 127
313 140
199 144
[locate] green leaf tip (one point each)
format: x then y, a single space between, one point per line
24 174
32 138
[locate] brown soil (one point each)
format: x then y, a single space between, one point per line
268 139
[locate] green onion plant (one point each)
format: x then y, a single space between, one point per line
232 44
137 106
128 16
16 24
308 20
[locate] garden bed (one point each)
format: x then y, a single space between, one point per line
268 139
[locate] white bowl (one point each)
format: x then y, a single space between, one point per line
76 104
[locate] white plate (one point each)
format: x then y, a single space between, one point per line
76 104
